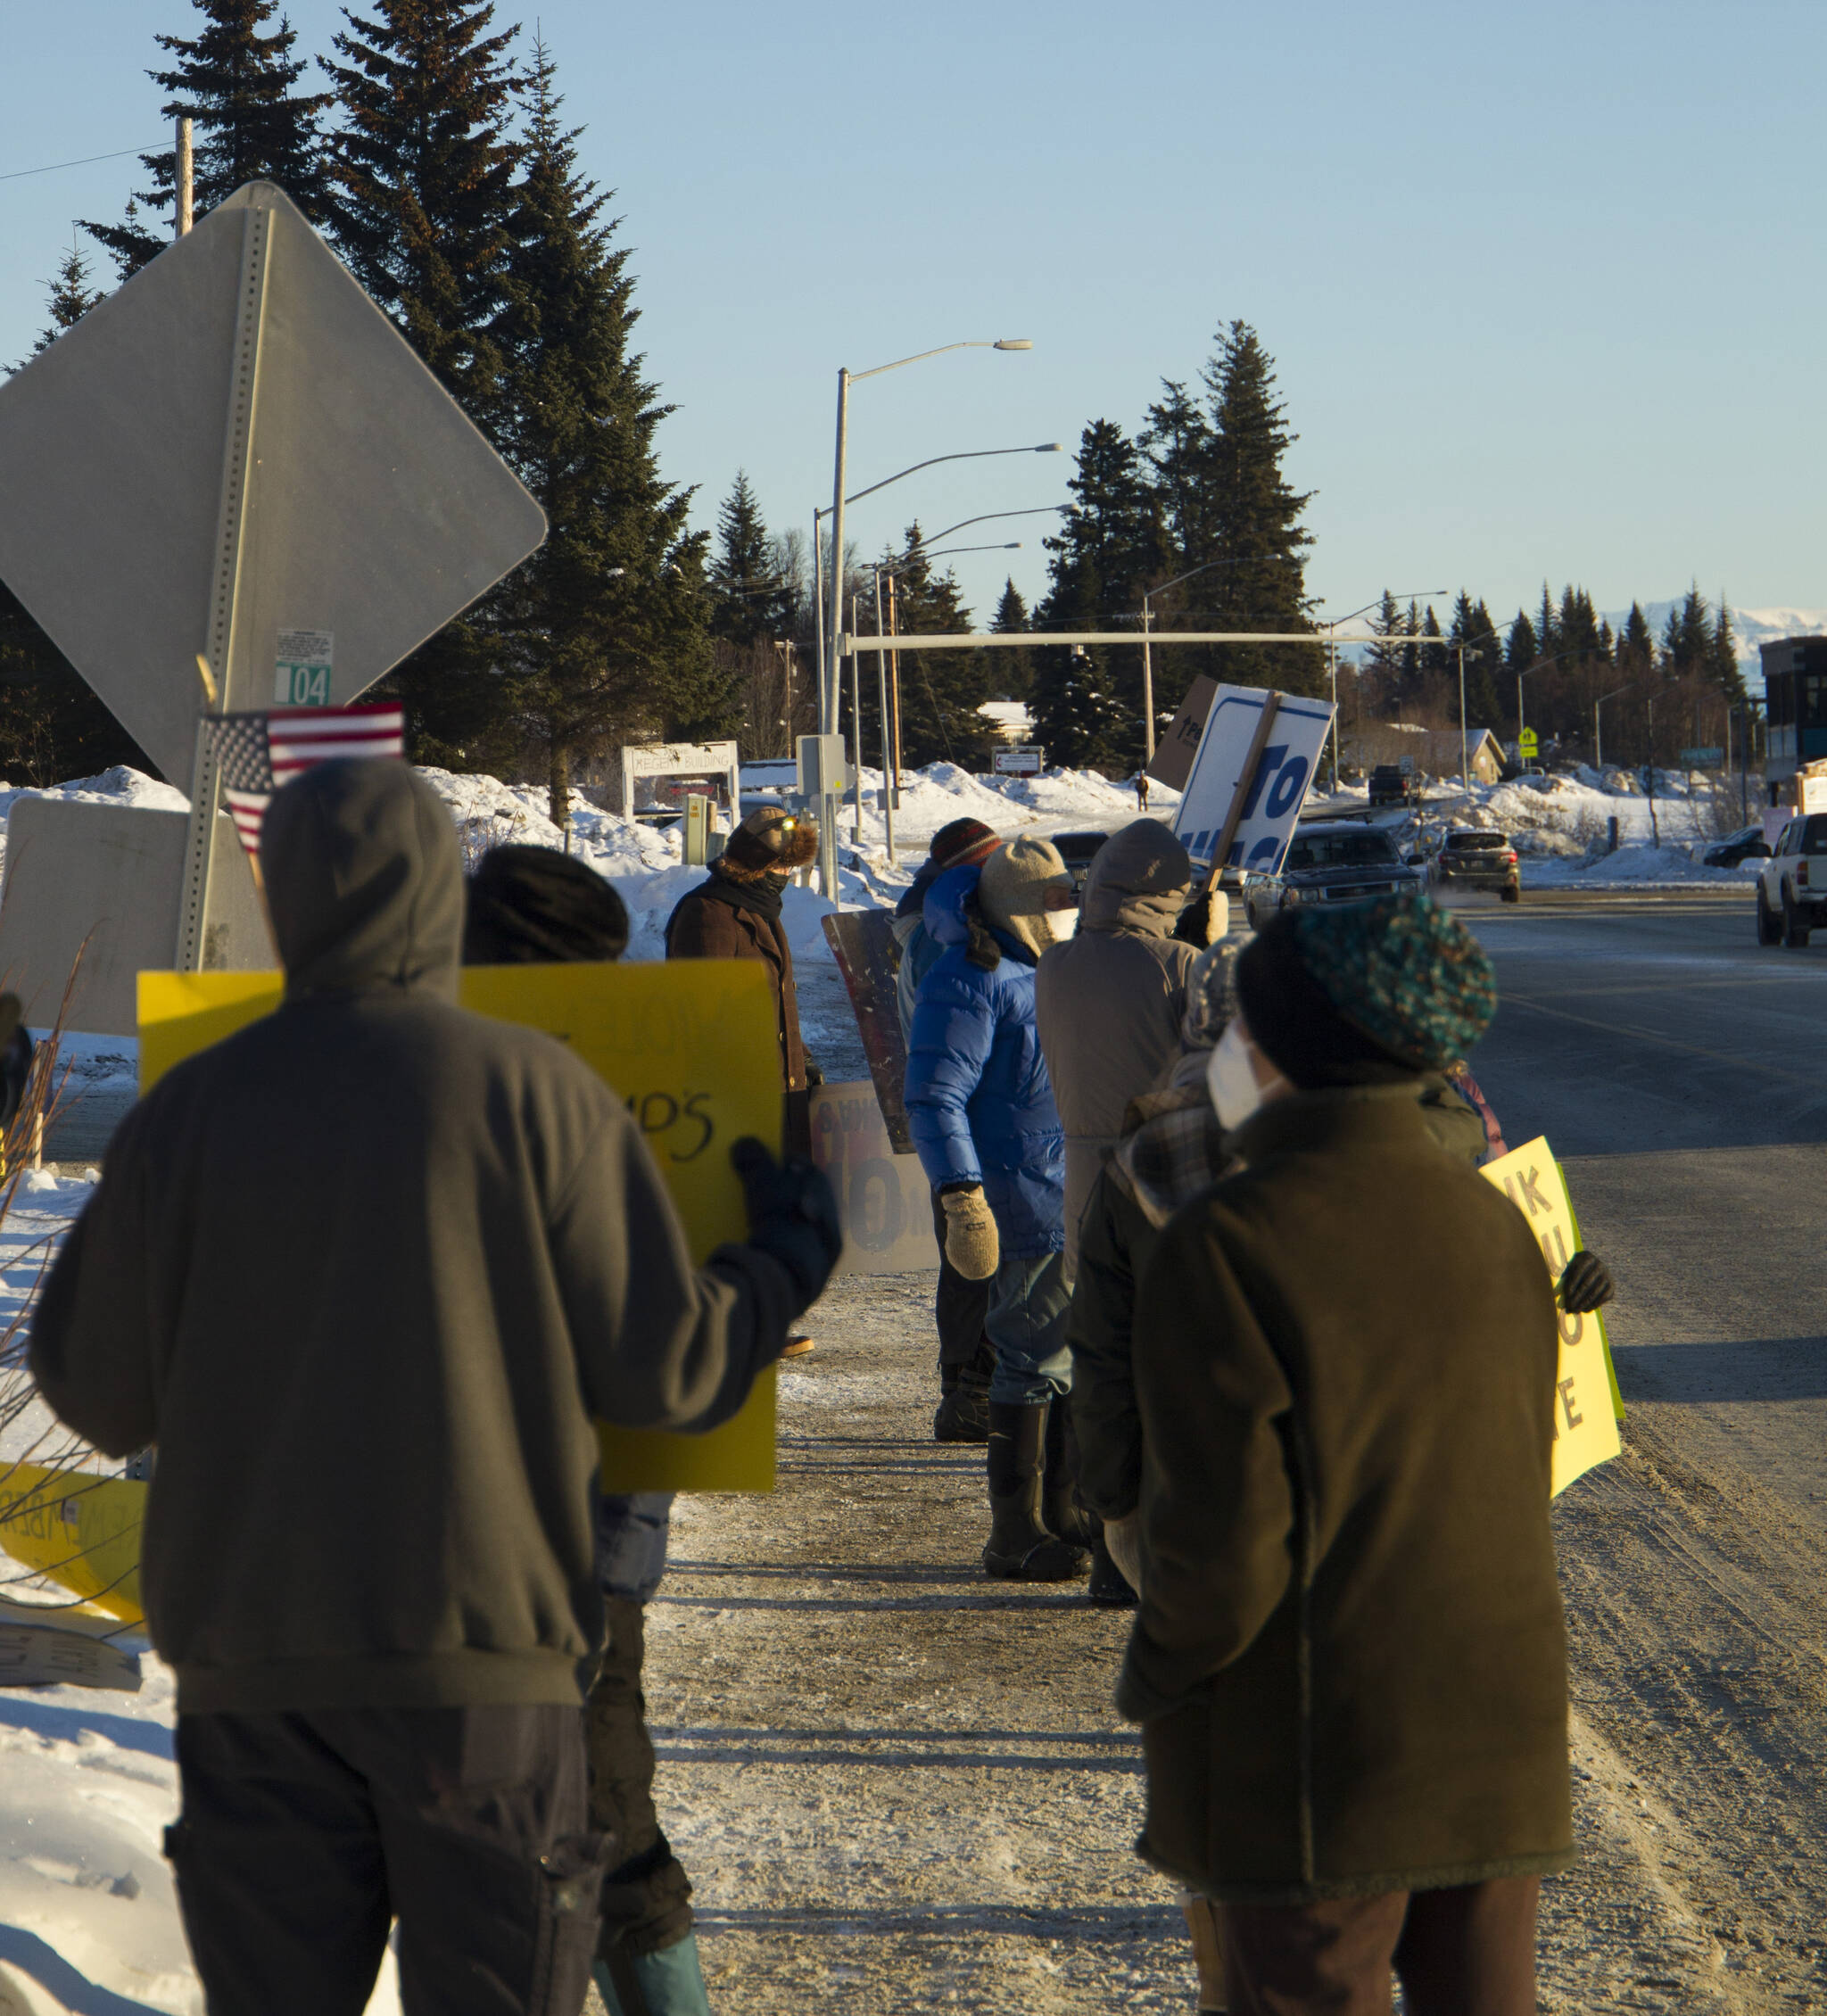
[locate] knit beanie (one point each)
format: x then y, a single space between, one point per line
1011 893
534 905
1365 993
963 844
769 841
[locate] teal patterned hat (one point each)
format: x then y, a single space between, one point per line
1403 971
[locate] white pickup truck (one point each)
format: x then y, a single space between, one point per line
1792 883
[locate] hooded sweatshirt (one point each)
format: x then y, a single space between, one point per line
1111 1001
364 1272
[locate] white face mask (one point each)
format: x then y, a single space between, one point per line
1231 1080
1061 924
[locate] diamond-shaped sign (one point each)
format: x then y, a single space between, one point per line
238 454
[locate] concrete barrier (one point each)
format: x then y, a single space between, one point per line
111 875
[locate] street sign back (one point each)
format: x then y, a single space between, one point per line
242 390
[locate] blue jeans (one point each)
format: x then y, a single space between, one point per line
1027 1324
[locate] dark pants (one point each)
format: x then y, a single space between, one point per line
645 1897
960 1307
1464 1952
303 1835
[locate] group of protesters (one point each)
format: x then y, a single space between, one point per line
1248 1342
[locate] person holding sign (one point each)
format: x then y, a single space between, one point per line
534 905
1349 1659
365 1272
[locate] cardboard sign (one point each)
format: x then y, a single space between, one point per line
688 1046
1174 753
883 1199
1587 1404
1272 798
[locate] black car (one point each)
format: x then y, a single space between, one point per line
1343 864
1748 844
1078 850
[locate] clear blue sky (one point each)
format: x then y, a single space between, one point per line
1544 283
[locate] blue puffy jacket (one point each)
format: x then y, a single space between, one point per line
979 1098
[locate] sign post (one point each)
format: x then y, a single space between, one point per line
275 485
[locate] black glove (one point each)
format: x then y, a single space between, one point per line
814 1076
1195 925
15 1059
1585 1285
792 1215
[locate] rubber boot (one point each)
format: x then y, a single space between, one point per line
666 1983
1109 1585
1060 1506
963 1408
1208 1954
1020 1549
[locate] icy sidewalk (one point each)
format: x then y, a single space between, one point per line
895 1784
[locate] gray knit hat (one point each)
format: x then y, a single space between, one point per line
1011 891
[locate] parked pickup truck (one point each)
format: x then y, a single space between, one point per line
1792 884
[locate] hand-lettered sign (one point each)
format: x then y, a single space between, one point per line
1276 791
690 1047
1587 1406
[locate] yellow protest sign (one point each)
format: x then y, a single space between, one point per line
81 1530
1587 1404
688 1046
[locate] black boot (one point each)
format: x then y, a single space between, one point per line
1020 1549
962 1415
1109 1585
1060 1505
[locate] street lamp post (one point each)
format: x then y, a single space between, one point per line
1598 725
1147 653
1413 595
827 690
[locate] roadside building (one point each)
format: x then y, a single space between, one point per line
1795 690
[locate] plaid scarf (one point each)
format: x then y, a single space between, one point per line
1176 1153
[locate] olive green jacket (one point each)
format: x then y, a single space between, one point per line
1349 1659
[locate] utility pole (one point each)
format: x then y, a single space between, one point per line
881 702
894 692
184 180
856 736
1465 764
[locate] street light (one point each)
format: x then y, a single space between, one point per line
1033 511
1412 595
1597 724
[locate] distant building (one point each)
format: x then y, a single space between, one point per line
1433 752
1010 719
1794 692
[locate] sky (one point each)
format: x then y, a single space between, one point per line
1543 286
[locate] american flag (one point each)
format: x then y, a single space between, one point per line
257 753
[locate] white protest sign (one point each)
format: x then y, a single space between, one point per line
1587 1408
1275 794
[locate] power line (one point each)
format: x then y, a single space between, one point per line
51 168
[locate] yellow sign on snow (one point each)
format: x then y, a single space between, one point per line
1587 1404
688 1046
81 1530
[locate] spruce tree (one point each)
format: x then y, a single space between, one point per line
604 630
70 297
1256 518
940 690
1383 661
751 601
1472 627
1011 672
1087 706
1524 647
237 85
422 182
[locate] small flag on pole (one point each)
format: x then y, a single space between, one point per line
260 753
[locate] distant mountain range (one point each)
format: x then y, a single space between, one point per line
1751 627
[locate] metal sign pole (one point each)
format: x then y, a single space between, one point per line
1233 818
193 949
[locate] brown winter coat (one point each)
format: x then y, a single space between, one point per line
711 922
1349 1660
1109 1003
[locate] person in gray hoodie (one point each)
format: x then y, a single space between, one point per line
364 1273
1109 1002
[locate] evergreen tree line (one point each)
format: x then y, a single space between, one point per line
1660 694
1199 490
436 160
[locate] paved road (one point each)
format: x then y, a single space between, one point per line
1680 1071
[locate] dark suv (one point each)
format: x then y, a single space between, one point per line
1343 864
